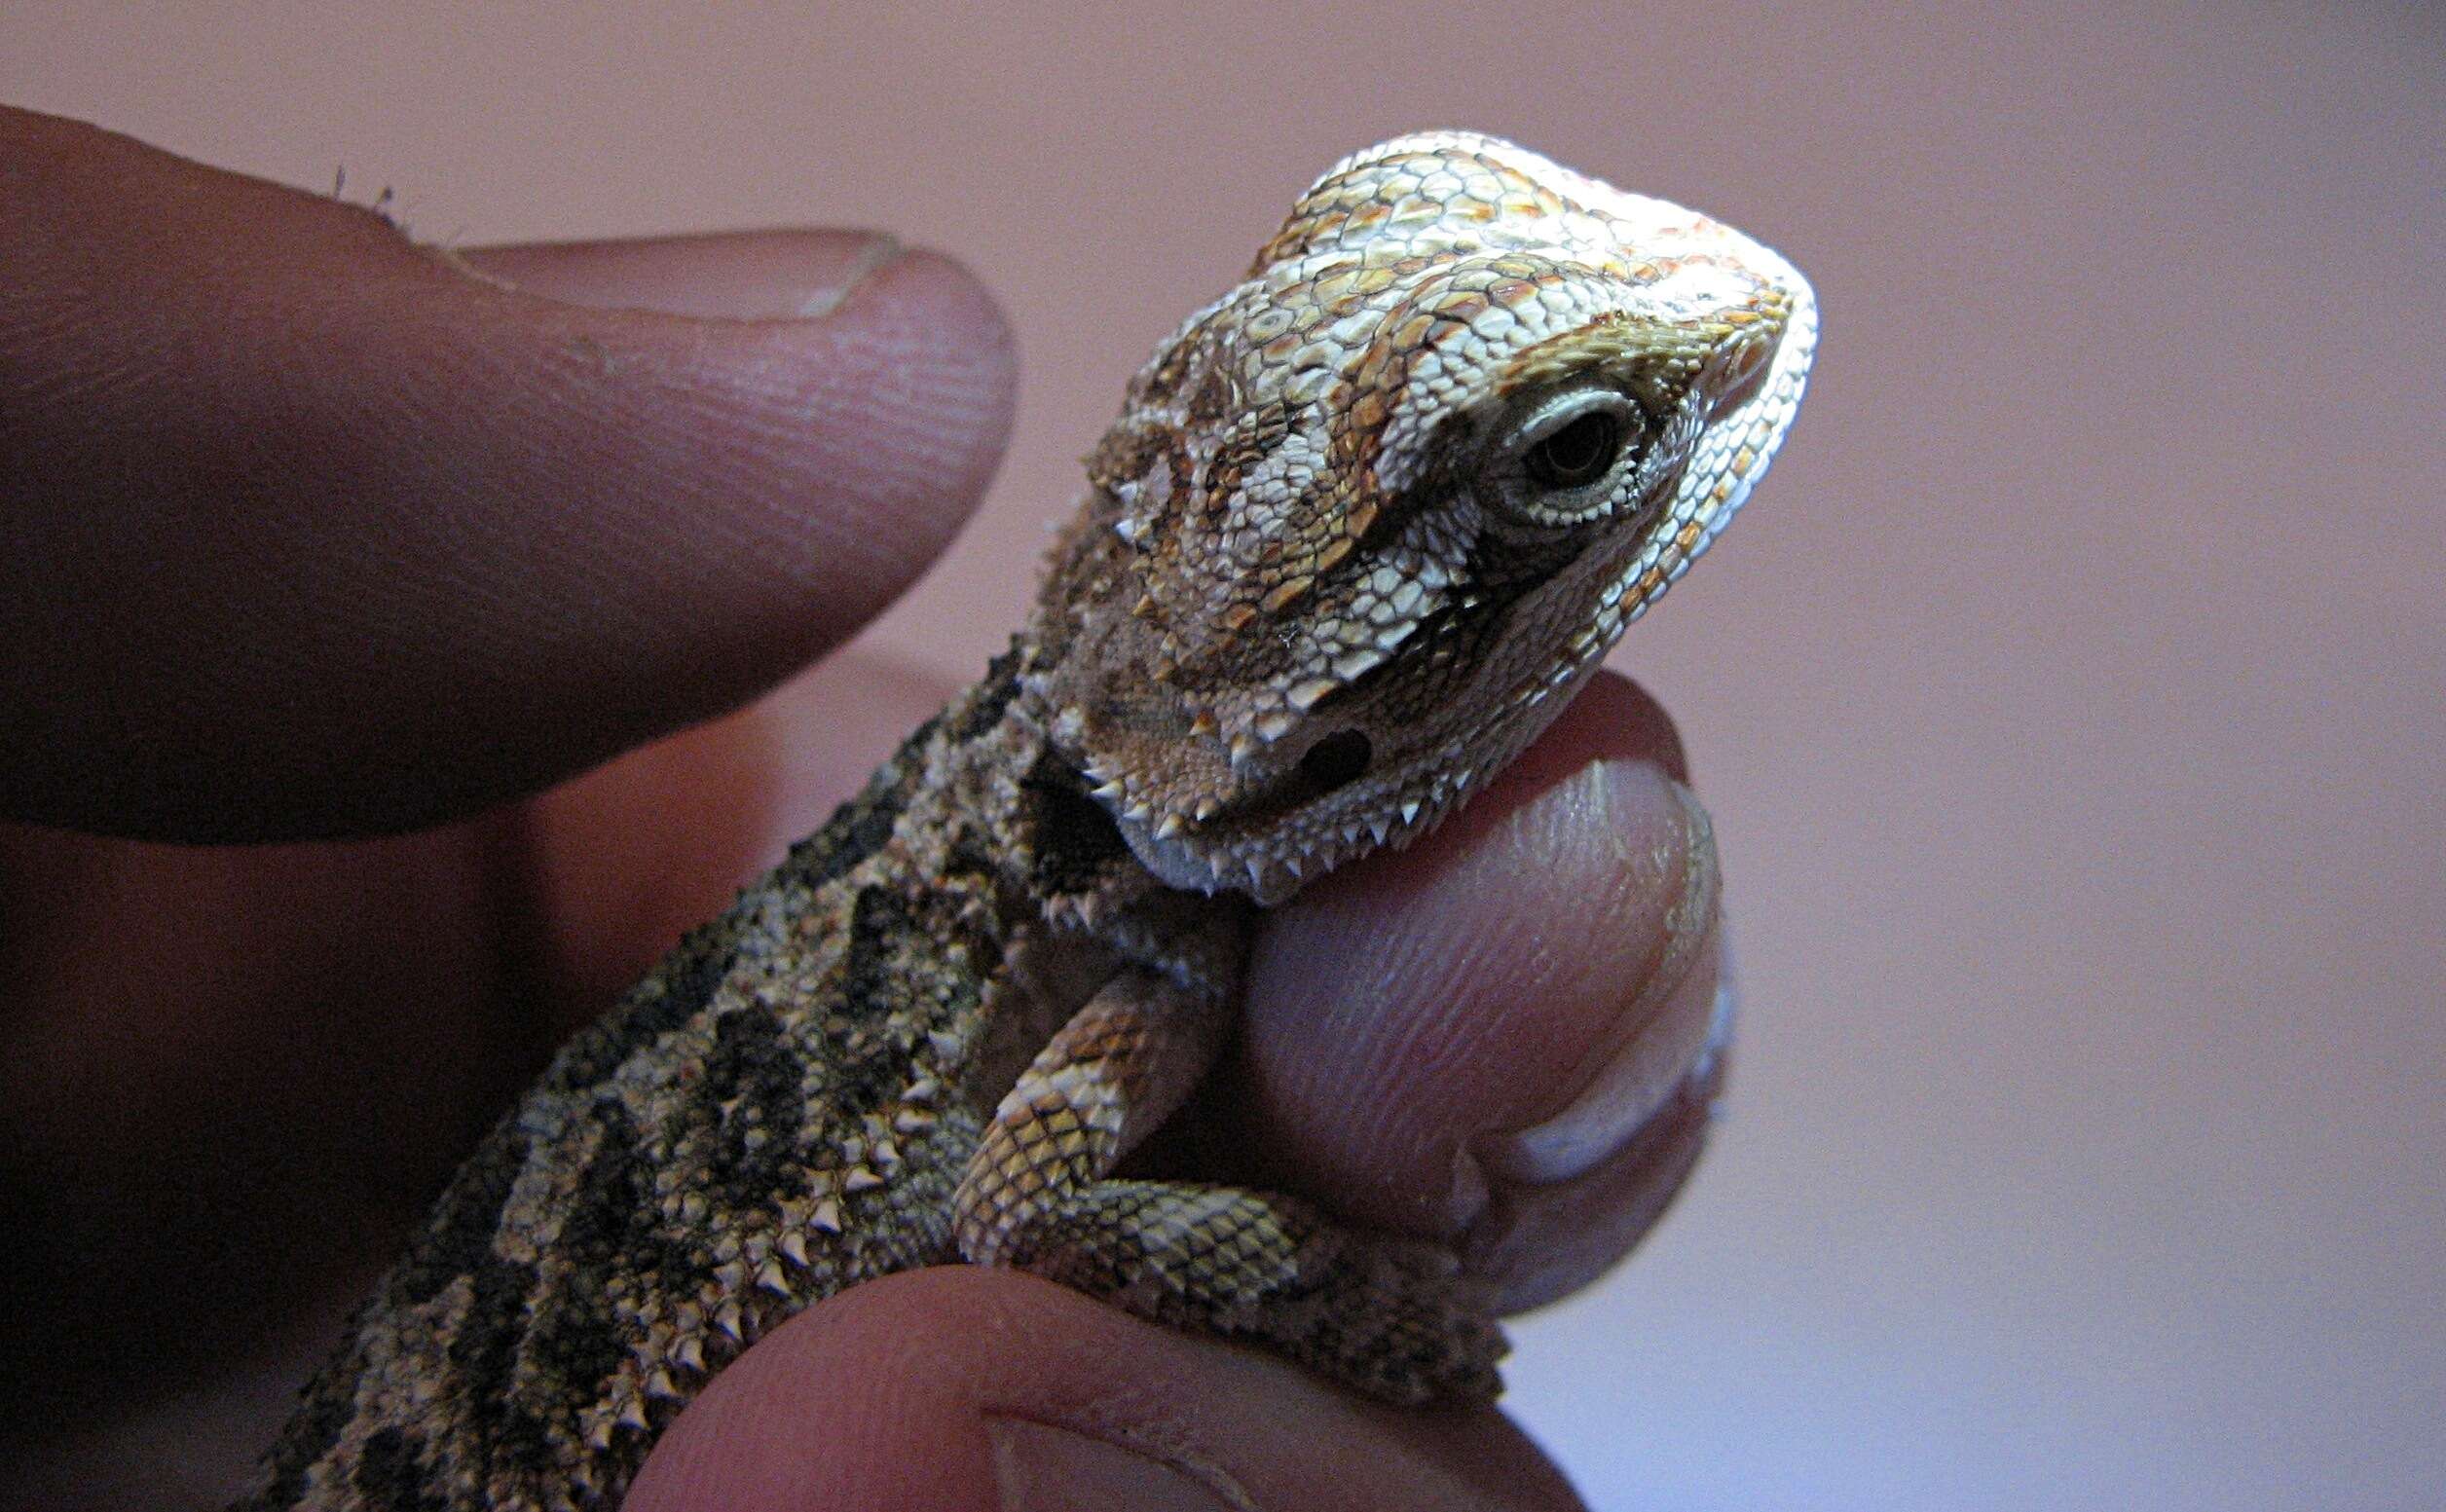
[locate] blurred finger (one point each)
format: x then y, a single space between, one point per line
973 1391
315 531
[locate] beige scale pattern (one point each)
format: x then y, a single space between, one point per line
1362 525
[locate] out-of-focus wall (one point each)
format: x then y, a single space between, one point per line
2069 699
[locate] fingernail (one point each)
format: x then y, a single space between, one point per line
737 275
1670 1029
1722 1014
1042 1469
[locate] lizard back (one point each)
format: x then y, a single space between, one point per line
780 1110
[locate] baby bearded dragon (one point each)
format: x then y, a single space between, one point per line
1364 524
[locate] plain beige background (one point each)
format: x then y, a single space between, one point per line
2068 698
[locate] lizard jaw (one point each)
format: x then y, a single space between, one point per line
1271 861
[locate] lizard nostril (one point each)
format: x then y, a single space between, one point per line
1338 760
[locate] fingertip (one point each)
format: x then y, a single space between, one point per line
959 1389
1508 1005
864 387
1613 717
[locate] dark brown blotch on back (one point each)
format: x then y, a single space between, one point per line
752 1093
484 1353
387 1476
610 1240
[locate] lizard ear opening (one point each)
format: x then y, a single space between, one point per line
1336 761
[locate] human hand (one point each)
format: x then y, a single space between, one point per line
318 537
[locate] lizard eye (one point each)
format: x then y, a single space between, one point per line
1580 453
1574 451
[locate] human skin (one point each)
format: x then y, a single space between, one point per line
371 559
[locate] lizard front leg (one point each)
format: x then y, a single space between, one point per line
1388 1316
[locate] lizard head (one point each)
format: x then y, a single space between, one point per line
1369 519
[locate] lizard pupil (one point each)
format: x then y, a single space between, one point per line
1579 453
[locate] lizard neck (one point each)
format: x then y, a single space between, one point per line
984 791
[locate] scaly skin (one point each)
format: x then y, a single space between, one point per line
1363 525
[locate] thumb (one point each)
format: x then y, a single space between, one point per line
314 531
